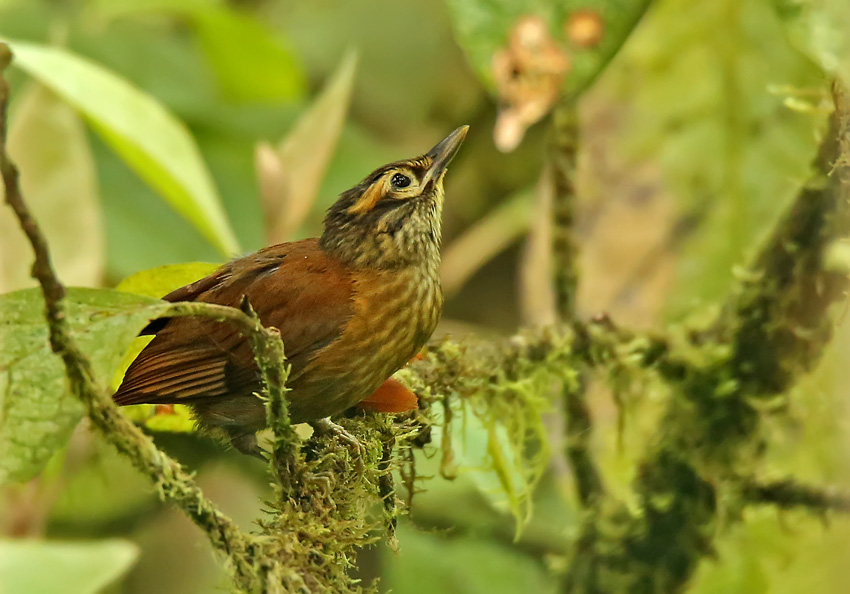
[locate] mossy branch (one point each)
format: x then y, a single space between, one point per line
773 328
776 321
563 156
269 355
789 494
268 350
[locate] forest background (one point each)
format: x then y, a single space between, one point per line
640 159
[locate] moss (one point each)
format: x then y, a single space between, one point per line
507 387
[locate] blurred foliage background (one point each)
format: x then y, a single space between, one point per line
693 139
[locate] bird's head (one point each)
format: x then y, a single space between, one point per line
392 218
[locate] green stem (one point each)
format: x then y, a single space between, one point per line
563 158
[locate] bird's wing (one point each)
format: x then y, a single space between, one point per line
294 287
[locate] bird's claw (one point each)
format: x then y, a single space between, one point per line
323 480
328 427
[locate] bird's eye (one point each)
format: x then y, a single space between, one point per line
400 180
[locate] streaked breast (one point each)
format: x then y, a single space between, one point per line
394 316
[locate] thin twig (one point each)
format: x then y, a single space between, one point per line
587 478
788 493
564 158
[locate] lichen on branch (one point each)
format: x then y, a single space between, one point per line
773 328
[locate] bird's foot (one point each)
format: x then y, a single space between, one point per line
322 480
328 427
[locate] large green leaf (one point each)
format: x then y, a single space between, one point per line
148 137
37 410
821 28
49 567
48 143
161 280
499 447
250 60
483 28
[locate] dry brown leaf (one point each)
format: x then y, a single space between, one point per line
528 75
289 175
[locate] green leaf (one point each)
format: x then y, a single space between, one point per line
47 142
821 29
156 145
156 283
487 449
48 567
37 410
102 490
161 280
290 174
531 53
483 28
434 563
250 62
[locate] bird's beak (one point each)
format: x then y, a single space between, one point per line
444 152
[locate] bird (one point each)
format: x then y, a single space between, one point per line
352 307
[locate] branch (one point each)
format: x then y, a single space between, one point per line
563 155
773 328
169 478
565 252
788 494
268 351
777 318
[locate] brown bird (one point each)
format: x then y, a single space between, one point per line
352 307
